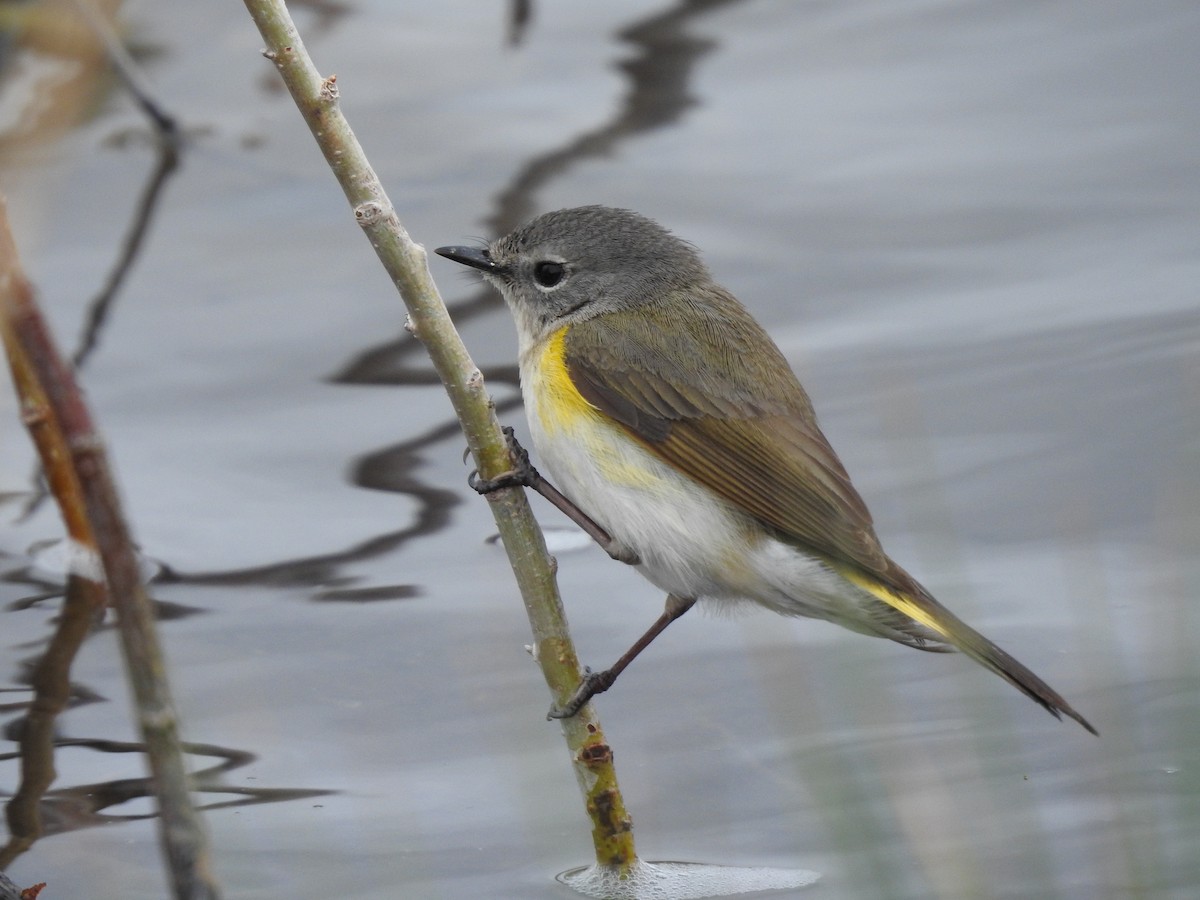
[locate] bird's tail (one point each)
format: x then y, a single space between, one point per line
919 606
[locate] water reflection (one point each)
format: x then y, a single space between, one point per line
36 809
71 808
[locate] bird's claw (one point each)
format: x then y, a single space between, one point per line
593 683
522 474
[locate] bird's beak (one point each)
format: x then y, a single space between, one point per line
475 257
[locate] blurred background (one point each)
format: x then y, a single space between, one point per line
973 228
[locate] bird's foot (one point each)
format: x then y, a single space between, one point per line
593 683
522 474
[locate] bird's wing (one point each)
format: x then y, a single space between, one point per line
705 389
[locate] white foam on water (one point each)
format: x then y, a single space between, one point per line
681 881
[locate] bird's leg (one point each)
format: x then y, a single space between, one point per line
523 474
598 682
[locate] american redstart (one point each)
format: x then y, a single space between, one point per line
668 416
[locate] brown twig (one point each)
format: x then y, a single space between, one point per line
84 597
168 142
9 891
58 405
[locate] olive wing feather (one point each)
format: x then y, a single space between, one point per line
701 385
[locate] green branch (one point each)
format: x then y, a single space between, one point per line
406 263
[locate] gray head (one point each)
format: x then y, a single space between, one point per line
572 264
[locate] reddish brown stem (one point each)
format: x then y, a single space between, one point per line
55 407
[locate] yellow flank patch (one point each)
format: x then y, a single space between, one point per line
897 601
559 404
579 429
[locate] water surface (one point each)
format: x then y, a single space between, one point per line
971 228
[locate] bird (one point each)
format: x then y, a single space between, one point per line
675 431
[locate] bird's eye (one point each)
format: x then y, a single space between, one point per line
548 273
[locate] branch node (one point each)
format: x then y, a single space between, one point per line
329 89
369 213
84 445
34 414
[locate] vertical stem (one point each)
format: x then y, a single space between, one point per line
405 262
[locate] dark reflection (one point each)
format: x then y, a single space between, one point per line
83 806
168 145
164 610
48 675
46 589
658 76
127 70
391 469
50 678
369 595
167 139
35 809
520 14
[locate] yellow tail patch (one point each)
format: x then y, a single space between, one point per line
899 602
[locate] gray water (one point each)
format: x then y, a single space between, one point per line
974 229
